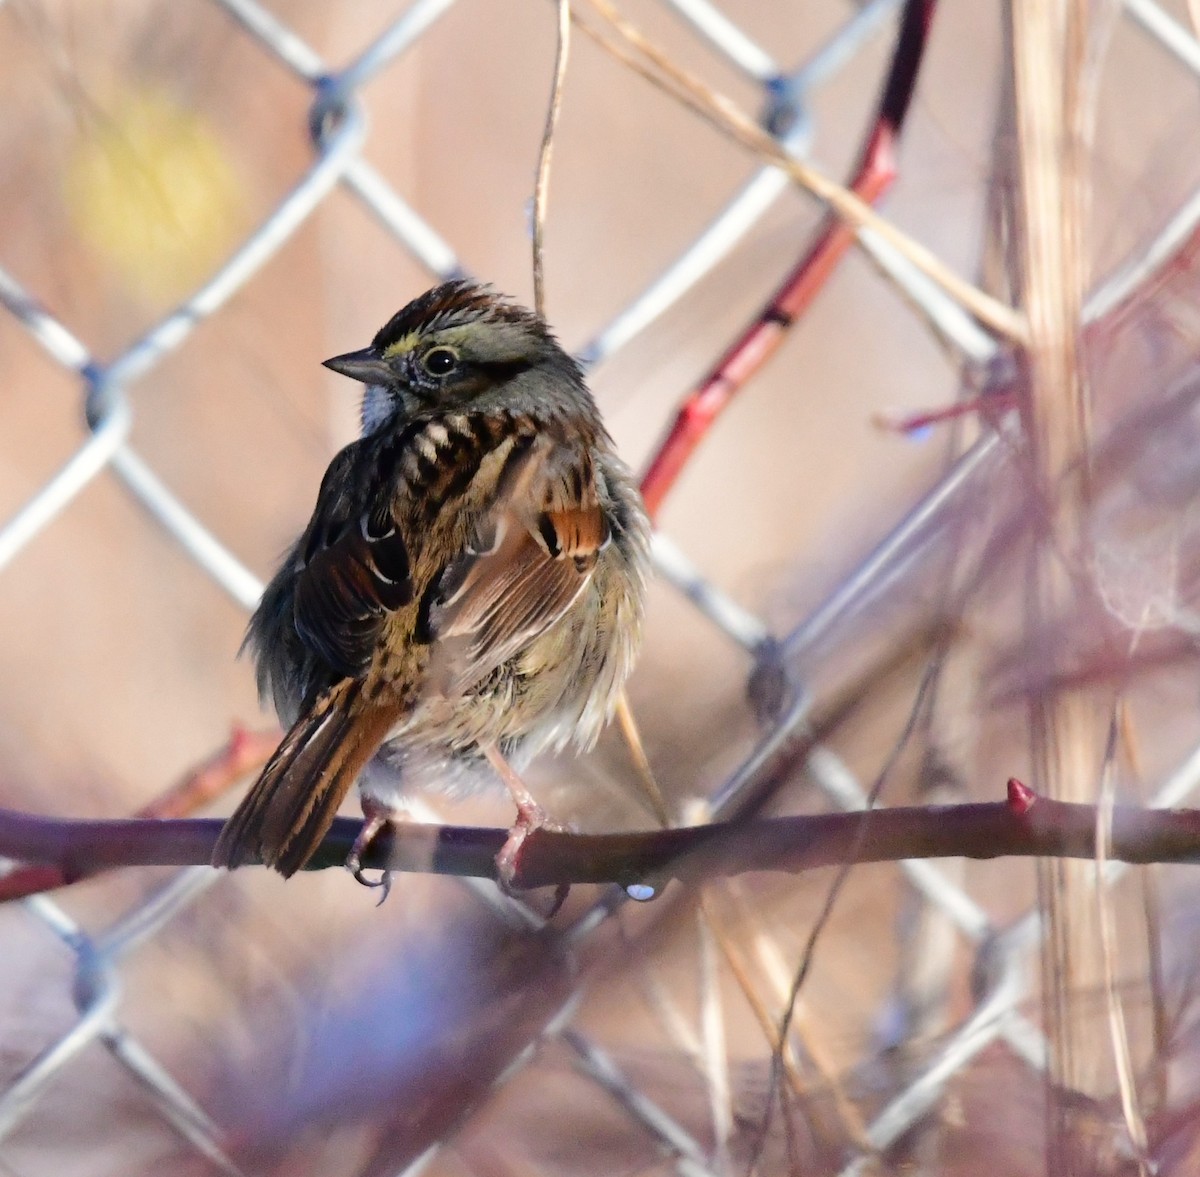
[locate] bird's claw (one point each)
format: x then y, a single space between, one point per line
530 817
374 823
361 876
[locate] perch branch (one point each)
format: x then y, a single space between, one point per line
1026 825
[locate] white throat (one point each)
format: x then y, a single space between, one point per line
377 407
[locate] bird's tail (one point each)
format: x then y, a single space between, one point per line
291 806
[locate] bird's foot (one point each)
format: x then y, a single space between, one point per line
530 818
377 816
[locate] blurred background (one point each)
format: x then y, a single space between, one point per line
201 201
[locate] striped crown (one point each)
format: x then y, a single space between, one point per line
453 304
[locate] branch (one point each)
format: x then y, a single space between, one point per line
630 46
1026 825
244 752
873 178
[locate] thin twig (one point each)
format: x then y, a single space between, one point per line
665 1008
715 1056
641 762
739 967
1066 729
825 914
873 178
1135 1123
726 116
245 752
541 188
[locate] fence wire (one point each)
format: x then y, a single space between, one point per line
341 136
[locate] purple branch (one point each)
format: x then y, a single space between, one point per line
1026 825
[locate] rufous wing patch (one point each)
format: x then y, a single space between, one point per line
533 556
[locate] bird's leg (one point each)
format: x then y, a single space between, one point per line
377 816
530 816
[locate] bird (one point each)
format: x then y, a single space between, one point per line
469 591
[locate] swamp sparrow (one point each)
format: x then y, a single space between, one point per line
470 586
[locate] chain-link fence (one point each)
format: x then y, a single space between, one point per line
243 190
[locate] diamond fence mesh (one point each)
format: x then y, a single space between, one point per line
202 202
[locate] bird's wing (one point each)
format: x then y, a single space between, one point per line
354 563
530 557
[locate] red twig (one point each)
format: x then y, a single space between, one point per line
874 176
990 405
244 753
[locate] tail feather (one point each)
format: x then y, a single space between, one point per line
291 806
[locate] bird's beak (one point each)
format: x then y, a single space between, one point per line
367 365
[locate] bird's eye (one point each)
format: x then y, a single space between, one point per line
440 361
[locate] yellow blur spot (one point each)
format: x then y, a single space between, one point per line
152 190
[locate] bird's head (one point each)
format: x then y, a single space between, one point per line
460 344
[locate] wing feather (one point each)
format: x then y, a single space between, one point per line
531 557
355 566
